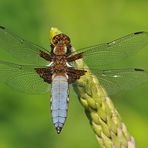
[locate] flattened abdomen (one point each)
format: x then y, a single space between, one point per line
59 102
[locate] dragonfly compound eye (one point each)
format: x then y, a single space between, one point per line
61 38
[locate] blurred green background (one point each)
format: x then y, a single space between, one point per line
25 120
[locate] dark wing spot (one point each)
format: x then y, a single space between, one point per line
2 27
140 32
138 69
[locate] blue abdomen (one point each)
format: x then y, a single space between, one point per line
59 101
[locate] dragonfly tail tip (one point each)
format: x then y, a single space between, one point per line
58 129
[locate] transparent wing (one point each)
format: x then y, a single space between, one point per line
108 53
116 80
22 78
17 50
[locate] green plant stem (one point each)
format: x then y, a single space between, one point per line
104 119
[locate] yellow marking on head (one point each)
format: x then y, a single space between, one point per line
54 31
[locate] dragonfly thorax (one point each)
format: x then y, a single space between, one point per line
60 50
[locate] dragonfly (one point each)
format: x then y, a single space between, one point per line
31 69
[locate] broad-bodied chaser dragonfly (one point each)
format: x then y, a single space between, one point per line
30 68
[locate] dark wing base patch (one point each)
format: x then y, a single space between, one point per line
45 73
74 74
45 55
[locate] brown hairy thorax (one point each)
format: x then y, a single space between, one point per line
60 55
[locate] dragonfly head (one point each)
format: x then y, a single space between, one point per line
60 43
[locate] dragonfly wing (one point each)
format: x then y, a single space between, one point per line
18 50
108 53
116 80
22 78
